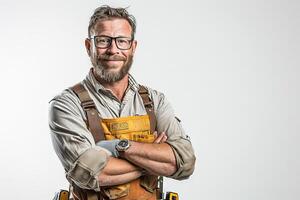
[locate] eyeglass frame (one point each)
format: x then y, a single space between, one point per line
111 40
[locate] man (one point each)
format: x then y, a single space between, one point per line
113 136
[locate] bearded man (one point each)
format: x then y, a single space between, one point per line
113 136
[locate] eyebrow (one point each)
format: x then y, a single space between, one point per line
120 36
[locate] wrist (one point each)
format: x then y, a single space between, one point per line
122 146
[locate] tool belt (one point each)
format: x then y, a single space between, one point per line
135 128
134 192
66 195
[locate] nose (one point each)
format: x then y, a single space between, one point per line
113 49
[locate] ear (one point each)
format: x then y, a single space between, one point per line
134 45
88 46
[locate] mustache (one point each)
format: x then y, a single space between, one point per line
111 58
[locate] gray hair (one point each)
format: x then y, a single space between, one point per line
106 12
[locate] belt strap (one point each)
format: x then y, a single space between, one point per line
88 105
148 104
92 196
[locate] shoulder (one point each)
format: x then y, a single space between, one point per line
154 94
66 101
159 99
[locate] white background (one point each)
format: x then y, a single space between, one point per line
229 68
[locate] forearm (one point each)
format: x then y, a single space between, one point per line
118 171
157 159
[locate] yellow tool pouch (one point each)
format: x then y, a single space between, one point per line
135 128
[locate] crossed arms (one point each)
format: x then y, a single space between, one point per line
156 159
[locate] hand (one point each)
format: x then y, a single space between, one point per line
110 145
161 138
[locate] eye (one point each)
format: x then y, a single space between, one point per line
102 40
122 41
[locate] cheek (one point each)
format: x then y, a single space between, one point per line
93 55
96 53
128 54
100 51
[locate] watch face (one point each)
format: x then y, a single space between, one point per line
123 143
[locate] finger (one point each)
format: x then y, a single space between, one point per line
156 140
155 134
164 139
159 138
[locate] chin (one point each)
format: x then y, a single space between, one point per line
112 66
113 69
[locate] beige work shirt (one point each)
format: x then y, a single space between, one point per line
75 146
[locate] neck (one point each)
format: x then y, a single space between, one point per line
118 88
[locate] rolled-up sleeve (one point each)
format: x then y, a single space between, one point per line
177 139
74 144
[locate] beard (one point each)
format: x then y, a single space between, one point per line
103 72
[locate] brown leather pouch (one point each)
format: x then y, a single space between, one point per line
116 192
149 183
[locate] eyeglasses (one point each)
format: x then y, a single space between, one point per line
103 42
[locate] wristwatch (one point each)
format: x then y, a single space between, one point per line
123 145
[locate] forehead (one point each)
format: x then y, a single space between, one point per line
113 27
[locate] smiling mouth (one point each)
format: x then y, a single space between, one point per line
111 58
113 62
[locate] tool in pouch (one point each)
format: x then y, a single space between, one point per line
61 195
